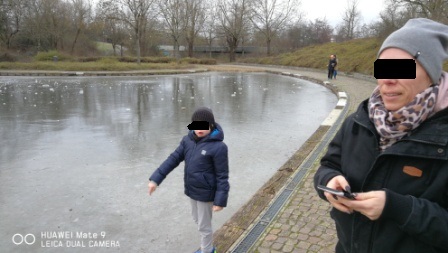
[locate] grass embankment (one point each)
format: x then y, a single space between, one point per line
54 60
353 56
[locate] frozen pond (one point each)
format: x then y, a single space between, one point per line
77 152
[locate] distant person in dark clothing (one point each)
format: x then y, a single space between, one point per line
335 71
331 65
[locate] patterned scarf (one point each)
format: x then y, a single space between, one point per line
394 125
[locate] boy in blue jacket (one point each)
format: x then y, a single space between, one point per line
206 172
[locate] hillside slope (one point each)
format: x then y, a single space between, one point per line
354 56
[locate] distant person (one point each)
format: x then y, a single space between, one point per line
331 65
389 159
206 172
335 71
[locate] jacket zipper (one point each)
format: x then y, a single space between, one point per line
377 148
187 167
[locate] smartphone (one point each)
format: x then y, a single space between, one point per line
344 194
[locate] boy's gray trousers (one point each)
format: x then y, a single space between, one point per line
202 215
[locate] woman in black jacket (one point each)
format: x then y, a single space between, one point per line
392 153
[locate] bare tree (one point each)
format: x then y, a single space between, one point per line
135 13
398 12
294 35
82 11
210 21
46 23
11 18
233 19
194 21
173 14
272 16
113 30
308 33
321 31
139 10
391 18
367 31
116 33
351 19
433 9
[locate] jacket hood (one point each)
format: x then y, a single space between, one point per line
216 135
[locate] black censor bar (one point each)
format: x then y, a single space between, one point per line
394 69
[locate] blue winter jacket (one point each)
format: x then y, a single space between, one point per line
206 167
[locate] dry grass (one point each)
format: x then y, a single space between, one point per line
89 66
354 56
54 60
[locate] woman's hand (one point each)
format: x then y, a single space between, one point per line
370 204
338 183
217 208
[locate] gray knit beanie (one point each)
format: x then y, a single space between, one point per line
203 114
424 39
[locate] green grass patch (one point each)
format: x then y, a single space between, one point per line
204 61
104 47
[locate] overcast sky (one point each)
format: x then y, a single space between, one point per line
334 9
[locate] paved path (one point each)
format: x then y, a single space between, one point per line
303 224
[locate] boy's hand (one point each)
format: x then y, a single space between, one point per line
151 187
217 208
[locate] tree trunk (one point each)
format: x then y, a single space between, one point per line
232 43
176 47
176 50
232 57
8 43
74 42
190 49
210 49
268 47
137 46
114 47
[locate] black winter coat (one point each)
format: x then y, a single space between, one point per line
206 167
414 174
332 63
